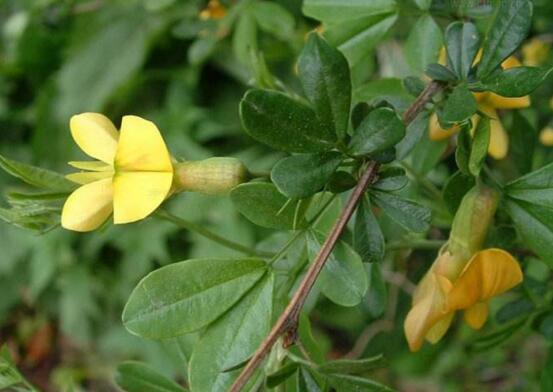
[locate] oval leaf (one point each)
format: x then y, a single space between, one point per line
324 74
133 376
232 339
380 130
186 296
283 123
343 279
407 213
265 206
301 176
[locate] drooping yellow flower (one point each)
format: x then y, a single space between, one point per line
546 136
214 10
488 103
463 277
131 177
535 52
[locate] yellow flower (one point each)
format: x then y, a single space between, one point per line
132 176
462 277
546 136
534 52
214 10
488 103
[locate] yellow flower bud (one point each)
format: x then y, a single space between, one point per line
210 176
534 52
546 136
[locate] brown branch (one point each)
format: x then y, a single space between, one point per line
287 323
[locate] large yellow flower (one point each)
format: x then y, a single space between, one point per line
132 176
488 103
462 277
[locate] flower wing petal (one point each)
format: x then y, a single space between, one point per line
95 134
489 273
137 194
476 315
91 165
141 147
88 206
426 312
88 177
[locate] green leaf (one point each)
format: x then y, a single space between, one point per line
459 106
535 187
423 5
356 38
521 307
535 225
515 82
342 279
455 189
523 141
276 378
546 379
265 206
368 240
133 376
415 131
338 11
344 382
324 74
380 130
390 179
305 382
244 37
546 326
508 29
439 72
423 44
479 149
353 366
301 176
462 152
377 294
36 176
9 376
414 85
495 338
462 43
274 19
232 339
381 89
283 123
186 296
407 213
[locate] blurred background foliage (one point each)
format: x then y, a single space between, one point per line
185 65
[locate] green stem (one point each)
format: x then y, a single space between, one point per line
416 244
185 224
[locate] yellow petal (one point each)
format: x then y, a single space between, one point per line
478 57
546 136
499 140
137 194
91 165
437 332
510 62
499 102
88 207
141 147
425 313
476 315
436 132
488 273
535 52
88 177
442 58
95 134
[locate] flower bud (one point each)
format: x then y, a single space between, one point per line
472 220
211 176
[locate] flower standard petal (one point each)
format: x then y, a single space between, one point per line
95 134
88 207
141 147
137 194
489 273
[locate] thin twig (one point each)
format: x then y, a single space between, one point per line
287 323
